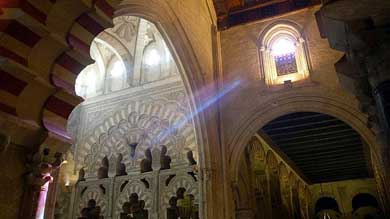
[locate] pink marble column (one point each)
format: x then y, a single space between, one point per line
40 211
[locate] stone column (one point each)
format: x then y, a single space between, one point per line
37 184
42 196
36 191
51 195
361 30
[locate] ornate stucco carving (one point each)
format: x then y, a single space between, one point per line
148 121
99 190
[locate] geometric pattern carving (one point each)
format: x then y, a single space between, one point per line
99 190
151 113
128 185
150 124
180 180
156 188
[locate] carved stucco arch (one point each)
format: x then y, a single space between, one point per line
282 105
163 17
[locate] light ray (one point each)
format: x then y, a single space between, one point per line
190 115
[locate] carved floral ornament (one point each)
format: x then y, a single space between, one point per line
148 124
283 54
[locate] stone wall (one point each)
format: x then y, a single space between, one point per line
240 58
250 104
13 167
197 19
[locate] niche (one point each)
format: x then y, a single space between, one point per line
146 163
134 208
165 160
182 206
92 211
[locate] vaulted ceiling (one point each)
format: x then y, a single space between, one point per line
323 147
235 12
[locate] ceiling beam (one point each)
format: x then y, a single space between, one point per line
330 138
329 150
328 157
323 147
333 167
318 135
336 141
269 128
309 116
256 6
322 128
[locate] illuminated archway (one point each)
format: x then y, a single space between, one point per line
139 114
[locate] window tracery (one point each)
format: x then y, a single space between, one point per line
283 54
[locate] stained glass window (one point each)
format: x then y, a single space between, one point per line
286 64
283 52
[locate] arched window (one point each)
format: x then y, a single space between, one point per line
364 200
326 203
116 76
151 63
283 54
157 62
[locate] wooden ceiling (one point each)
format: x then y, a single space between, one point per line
235 12
323 147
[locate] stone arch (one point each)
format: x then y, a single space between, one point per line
327 206
365 205
303 199
364 199
257 155
297 102
295 27
162 16
137 187
256 148
316 196
284 172
294 183
326 203
273 175
284 175
332 104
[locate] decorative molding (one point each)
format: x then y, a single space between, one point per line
274 32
